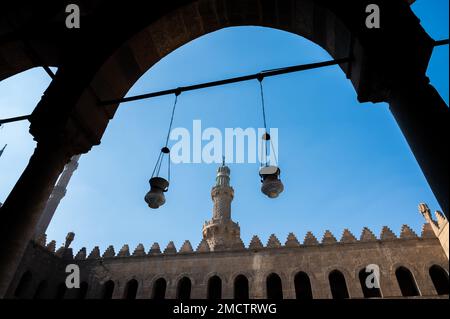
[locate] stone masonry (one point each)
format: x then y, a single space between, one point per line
222 253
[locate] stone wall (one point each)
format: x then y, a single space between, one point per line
256 262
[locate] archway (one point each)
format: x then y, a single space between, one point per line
373 292
159 289
406 282
214 288
22 289
302 286
241 289
440 279
131 289
184 289
108 289
274 287
338 285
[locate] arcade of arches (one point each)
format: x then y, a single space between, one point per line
275 288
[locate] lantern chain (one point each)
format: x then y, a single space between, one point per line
165 149
266 135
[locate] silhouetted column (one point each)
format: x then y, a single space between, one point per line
423 117
22 209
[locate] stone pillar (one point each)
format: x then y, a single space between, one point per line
22 209
354 287
423 117
119 289
144 290
227 289
320 286
257 287
288 288
171 290
424 283
388 284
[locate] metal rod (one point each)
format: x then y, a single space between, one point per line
260 75
441 42
15 119
263 74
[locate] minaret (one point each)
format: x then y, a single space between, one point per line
439 227
221 232
59 191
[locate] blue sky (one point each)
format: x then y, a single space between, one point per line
344 164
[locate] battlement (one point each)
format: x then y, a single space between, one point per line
255 244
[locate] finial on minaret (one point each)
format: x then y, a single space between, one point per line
2 150
69 239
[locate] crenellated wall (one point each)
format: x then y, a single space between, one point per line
348 255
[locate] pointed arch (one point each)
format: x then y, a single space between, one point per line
406 282
274 287
131 289
241 288
108 289
338 285
214 288
373 292
302 286
439 277
184 288
159 289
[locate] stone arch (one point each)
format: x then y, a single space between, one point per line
214 288
426 266
108 289
184 288
23 287
214 273
302 285
349 275
338 285
439 277
193 280
274 286
159 288
407 282
335 28
241 287
368 292
110 69
131 289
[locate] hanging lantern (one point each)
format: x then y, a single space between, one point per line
270 174
155 197
271 183
158 185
